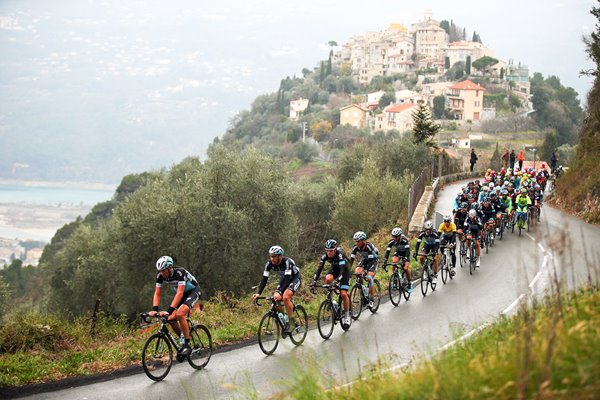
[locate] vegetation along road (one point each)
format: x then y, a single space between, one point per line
514 269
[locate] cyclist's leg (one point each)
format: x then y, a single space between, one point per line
344 287
371 277
329 278
288 294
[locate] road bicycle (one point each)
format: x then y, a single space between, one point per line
427 274
472 253
521 221
533 213
502 226
157 353
446 266
273 325
330 311
360 296
398 284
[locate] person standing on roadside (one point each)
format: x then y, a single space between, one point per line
505 158
521 159
512 157
473 159
553 161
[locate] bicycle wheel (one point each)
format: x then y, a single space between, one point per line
325 319
299 333
444 269
377 299
425 279
432 283
472 259
463 254
487 242
269 332
201 343
157 357
356 301
405 283
395 289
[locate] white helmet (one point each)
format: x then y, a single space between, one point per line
472 213
397 232
360 235
276 251
163 263
428 225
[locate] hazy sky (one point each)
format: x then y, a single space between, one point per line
183 68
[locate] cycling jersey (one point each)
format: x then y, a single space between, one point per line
459 218
369 256
179 277
447 231
289 272
522 202
402 248
473 225
339 267
431 242
488 212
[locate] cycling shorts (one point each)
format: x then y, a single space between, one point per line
190 298
371 266
342 271
428 248
293 286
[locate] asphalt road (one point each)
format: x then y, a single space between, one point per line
513 271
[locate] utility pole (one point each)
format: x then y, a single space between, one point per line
304 132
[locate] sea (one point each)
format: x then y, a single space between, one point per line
36 210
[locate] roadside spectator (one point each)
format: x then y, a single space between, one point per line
473 159
521 159
553 161
505 158
513 156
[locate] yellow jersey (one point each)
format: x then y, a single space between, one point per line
447 229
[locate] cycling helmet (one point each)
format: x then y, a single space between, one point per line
536 186
504 192
475 205
517 191
360 235
397 232
428 225
464 204
472 213
447 218
330 244
276 251
491 220
163 263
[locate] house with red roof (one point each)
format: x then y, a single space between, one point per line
465 100
395 116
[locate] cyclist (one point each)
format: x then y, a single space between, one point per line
447 233
473 224
431 246
187 293
402 252
289 282
489 213
460 217
522 203
339 270
369 261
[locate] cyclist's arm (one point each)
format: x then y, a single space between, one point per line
156 299
178 297
265 278
319 269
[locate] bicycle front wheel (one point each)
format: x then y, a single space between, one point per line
269 332
201 343
157 357
463 254
444 269
299 333
425 280
325 319
395 289
377 298
356 301
472 259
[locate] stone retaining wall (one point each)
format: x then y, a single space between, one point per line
420 215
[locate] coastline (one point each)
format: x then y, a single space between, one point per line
62 184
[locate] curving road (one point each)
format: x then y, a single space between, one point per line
515 269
